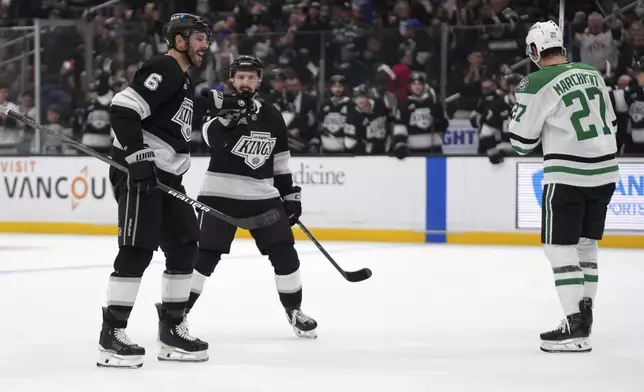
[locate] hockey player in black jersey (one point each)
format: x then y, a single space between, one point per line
152 123
490 118
92 122
249 174
367 125
634 95
333 116
420 120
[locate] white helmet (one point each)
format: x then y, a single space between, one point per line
542 36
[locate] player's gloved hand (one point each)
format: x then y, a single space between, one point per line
142 173
293 204
241 102
401 151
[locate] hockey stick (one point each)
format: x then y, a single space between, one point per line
266 219
351 276
562 7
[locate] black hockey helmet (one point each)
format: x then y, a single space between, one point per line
245 62
361 91
417 77
338 79
184 25
513 79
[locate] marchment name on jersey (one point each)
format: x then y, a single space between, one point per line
183 117
255 149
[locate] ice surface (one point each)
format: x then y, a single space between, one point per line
432 318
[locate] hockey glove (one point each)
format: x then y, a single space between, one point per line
142 174
241 102
293 204
401 150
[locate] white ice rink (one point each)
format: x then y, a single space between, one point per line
432 318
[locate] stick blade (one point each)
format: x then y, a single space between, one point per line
359 275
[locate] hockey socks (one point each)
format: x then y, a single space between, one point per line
587 251
121 296
175 290
568 275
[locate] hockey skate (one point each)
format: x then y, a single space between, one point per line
115 347
303 325
586 307
176 342
571 335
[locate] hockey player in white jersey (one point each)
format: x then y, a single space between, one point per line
566 107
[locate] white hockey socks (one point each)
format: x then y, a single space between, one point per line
587 251
122 291
175 291
569 277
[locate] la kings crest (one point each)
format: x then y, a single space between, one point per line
255 149
183 117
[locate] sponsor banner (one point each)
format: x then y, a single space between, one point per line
56 189
460 138
351 192
338 192
625 212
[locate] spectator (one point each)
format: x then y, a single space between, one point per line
301 123
10 131
597 46
51 145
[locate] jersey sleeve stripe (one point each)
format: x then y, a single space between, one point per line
130 99
204 131
521 139
280 163
575 158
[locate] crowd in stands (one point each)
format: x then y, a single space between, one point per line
377 43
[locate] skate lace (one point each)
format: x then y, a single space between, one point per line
564 326
183 331
121 336
297 315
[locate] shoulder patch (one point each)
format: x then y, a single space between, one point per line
523 84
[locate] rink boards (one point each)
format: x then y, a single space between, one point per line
463 200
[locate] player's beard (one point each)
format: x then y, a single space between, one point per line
196 57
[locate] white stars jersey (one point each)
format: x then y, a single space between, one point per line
567 108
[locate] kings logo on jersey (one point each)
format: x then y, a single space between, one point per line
420 118
255 149
636 111
183 117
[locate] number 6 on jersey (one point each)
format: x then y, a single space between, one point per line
152 82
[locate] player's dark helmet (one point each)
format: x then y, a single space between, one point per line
245 62
417 77
338 79
361 91
513 79
184 25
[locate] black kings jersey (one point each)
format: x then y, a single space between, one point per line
156 110
94 122
332 119
420 122
249 157
367 131
634 96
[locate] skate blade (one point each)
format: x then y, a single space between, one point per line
110 359
312 334
577 345
174 354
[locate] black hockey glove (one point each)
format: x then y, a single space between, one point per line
223 102
293 204
401 150
142 174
